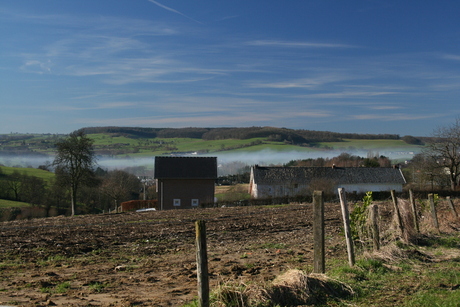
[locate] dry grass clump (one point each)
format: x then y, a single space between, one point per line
297 288
397 251
407 220
389 229
238 294
292 288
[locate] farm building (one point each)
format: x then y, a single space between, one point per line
185 182
266 182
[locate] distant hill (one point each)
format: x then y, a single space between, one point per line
271 133
36 150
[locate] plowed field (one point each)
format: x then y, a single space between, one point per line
148 259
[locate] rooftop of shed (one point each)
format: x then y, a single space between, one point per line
185 167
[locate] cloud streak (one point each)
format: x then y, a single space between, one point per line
395 117
284 44
173 10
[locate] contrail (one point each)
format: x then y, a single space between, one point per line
173 10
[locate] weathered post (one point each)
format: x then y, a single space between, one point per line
451 206
374 217
414 210
434 215
202 264
397 213
318 233
347 227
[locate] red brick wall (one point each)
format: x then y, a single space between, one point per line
138 204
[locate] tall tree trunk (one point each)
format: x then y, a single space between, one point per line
453 181
73 197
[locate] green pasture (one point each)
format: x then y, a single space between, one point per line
12 204
45 175
275 146
358 144
42 143
101 139
203 146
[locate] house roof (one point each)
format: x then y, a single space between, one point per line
340 175
185 167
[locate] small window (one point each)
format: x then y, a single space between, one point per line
195 202
176 202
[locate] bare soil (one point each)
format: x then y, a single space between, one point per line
148 259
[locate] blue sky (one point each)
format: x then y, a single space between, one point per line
343 66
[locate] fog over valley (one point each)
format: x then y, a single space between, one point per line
229 162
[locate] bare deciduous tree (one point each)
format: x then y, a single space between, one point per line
74 162
120 186
446 150
14 184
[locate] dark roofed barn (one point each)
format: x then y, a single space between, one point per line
268 182
185 182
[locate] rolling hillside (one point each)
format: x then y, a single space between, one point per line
255 144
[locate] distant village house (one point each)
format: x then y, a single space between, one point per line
185 182
266 182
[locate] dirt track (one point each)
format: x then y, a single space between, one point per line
148 259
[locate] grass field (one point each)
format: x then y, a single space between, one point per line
371 144
45 175
232 192
11 204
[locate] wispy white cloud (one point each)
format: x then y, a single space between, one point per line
354 94
394 117
173 10
451 57
311 82
446 85
91 24
387 107
301 83
284 44
94 106
175 121
201 119
36 66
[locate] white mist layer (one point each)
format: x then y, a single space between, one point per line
262 157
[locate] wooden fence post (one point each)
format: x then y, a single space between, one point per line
318 232
346 226
397 213
202 264
452 207
434 215
414 210
374 217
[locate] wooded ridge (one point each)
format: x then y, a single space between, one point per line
292 136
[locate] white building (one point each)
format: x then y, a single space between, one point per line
266 182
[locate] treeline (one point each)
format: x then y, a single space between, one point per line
292 136
16 137
49 198
22 187
343 160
